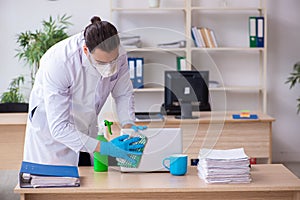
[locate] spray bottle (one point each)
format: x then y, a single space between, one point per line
101 161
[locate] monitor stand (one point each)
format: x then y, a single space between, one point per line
186 110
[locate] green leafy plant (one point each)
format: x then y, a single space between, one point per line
33 45
293 79
13 94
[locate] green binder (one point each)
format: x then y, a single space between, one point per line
181 63
252 31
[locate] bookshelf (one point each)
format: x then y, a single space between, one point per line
228 19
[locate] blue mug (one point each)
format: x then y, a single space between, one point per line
177 164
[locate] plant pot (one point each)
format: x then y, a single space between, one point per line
13 107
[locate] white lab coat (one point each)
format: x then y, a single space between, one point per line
65 101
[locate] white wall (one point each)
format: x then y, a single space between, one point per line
19 16
283 52
284 48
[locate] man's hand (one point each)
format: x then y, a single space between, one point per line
121 147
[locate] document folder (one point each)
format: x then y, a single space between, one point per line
196 37
181 63
252 31
260 32
136 70
40 175
139 72
131 65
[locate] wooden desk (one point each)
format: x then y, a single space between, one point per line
211 130
12 135
268 182
218 130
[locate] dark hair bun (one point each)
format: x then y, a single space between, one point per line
95 19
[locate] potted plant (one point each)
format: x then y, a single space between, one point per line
13 100
33 45
293 79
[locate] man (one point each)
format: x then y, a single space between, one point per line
74 80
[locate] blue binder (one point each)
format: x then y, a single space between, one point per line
131 66
139 73
29 169
136 70
194 33
49 170
260 32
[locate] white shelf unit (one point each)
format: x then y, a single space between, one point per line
190 13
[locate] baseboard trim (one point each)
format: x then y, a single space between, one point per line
281 157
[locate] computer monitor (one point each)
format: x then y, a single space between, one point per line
186 91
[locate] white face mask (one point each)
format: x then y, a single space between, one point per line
105 69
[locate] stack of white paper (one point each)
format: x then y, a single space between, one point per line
54 181
224 166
